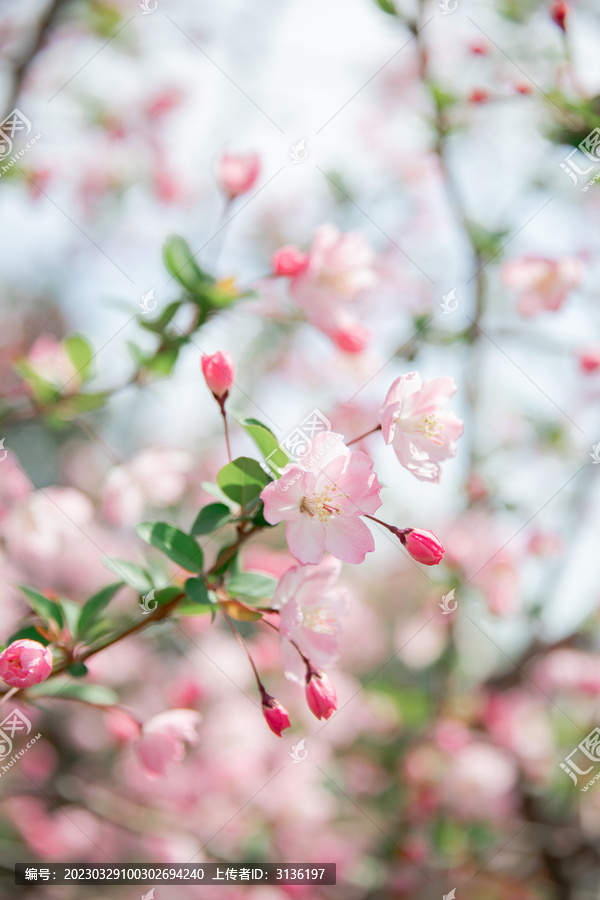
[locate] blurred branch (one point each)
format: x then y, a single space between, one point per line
37 41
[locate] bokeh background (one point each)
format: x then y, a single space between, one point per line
439 135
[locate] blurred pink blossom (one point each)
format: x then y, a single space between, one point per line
588 357
236 174
542 284
154 478
320 695
163 740
339 270
50 361
219 372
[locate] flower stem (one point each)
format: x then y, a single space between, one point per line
366 434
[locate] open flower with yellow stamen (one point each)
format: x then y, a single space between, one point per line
421 432
322 501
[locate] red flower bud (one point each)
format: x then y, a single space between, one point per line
218 372
320 695
289 261
275 714
423 546
559 12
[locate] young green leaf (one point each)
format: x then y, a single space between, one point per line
73 690
93 608
177 545
267 443
253 585
211 518
201 600
181 264
242 480
46 609
80 353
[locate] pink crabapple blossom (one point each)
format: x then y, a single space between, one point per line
155 477
219 372
320 695
25 663
339 269
163 739
237 174
310 607
321 504
589 358
288 261
542 284
422 434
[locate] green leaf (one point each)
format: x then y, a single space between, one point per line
177 545
242 480
80 353
159 324
71 612
46 609
253 585
181 264
135 576
387 6
43 391
201 599
27 633
94 607
267 443
72 690
215 491
165 595
211 518
70 407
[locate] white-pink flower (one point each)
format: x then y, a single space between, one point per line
310 606
541 284
156 477
421 432
50 360
338 270
322 500
164 737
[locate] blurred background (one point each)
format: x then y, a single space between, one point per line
437 131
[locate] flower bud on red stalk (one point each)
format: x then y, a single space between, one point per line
423 546
320 694
289 261
559 12
25 663
275 714
218 373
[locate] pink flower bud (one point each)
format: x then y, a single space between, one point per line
352 339
218 372
25 663
320 695
589 357
236 174
289 261
424 546
275 714
559 12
